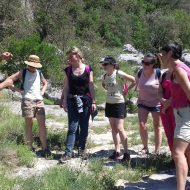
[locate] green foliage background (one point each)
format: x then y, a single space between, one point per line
48 28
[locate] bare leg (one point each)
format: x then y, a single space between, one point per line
143 115
42 129
187 154
157 131
115 135
181 164
28 132
119 124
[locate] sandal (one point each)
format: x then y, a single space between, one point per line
143 151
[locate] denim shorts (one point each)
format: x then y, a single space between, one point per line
150 109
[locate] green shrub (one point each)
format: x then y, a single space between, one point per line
25 155
22 48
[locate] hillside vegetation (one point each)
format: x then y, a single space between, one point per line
98 27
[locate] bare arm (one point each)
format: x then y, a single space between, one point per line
9 82
65 93
183 80
44 87
92 91
131 79
62 95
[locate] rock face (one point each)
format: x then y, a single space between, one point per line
2 77
129 49
53 93
186 58
131 56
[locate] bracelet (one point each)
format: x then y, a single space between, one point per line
94 103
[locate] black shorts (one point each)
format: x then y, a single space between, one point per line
115 110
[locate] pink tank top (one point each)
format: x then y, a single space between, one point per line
149 90
179 97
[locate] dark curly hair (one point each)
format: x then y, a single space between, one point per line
154 60
175 48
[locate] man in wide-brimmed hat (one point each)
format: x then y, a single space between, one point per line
32 99
33 61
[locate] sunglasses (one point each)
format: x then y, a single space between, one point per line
31 67
105 64
146 63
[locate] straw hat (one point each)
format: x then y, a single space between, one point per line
33 61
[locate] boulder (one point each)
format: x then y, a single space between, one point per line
129 49
53 93
186 58
2 77
131 58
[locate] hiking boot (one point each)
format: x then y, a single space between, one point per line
76 146
82 154
143 151
114 156
126 157
46 153
64 158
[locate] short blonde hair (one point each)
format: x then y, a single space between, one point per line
77 51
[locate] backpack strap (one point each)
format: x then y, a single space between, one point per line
104 76
139 73
158 73
23 79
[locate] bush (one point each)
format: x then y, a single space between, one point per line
22 48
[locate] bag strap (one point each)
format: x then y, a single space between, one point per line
23 79
158 73
139 73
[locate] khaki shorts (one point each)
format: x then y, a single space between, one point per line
32 108
182 130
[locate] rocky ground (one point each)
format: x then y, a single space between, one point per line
161 181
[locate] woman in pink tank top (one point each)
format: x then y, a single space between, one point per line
149 95
180 92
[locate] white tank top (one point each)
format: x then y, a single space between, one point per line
32 86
